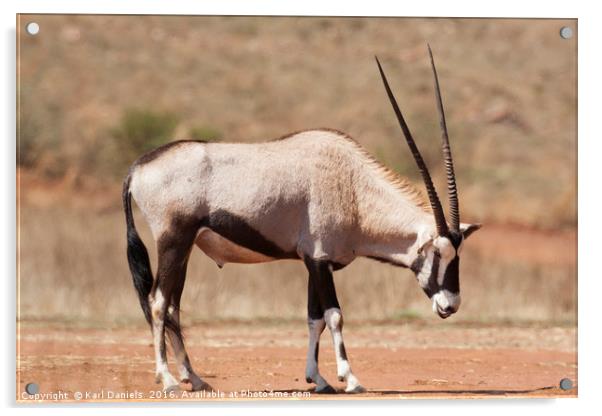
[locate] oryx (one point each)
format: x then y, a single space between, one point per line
315 196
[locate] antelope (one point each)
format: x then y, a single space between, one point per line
315 196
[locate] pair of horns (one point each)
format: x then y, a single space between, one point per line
454 209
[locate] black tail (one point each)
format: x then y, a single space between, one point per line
138 260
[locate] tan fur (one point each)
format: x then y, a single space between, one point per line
406 188
315 195
315 192
222 250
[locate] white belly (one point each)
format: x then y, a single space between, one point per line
223 251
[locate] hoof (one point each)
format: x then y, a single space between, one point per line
172 388
197 384
355 390
203 386
327 389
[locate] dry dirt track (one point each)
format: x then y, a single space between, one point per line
392 360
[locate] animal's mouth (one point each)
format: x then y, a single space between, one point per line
442 314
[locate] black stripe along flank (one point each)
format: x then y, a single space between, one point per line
235 229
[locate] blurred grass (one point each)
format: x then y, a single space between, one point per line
205 133
509 89
73 264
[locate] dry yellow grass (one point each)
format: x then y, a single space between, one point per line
73 267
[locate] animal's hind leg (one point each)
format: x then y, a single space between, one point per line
173 250
187 374
321 274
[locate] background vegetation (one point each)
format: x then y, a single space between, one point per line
97 91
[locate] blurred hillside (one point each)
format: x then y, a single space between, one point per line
509 88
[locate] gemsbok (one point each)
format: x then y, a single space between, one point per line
313 195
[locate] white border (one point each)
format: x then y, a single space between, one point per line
590 138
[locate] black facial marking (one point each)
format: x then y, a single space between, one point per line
235 229
451 280
432 287
417 264
455 238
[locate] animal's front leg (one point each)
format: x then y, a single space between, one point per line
316 325
320 276
312 374
334 320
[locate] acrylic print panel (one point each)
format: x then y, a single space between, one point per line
315 209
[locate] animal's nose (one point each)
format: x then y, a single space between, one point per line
449 309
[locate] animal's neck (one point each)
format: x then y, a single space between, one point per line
393 225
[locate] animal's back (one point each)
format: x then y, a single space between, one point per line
265 183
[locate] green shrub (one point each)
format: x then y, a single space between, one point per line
141 130
205 133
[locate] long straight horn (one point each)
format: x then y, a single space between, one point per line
452 190
430 188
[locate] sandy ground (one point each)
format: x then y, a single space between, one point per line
267 360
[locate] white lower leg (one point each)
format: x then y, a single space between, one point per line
334 321
187 374
316 327
162 372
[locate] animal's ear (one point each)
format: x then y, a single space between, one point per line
468 229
